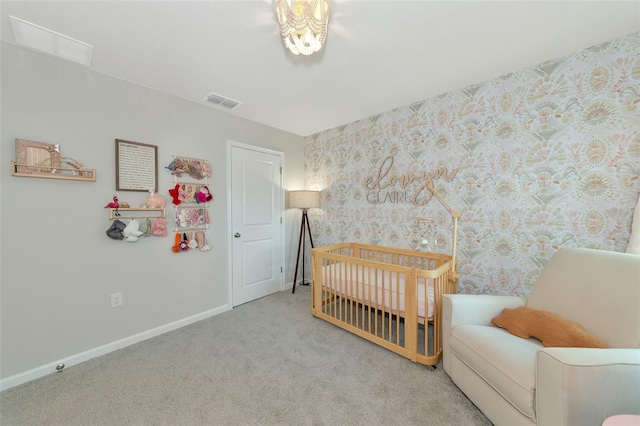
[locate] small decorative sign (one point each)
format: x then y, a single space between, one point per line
385 186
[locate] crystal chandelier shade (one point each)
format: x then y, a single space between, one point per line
303 24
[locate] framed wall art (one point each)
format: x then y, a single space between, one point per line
136 166
37 157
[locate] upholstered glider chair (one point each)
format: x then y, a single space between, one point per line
520 381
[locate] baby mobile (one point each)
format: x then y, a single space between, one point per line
190 201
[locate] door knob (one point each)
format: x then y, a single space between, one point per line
237 235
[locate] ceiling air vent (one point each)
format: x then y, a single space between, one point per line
45 40
219 100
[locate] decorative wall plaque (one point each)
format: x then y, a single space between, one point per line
136 166
37 157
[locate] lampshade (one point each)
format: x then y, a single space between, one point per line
303 24
304 199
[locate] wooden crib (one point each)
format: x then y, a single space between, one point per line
391 297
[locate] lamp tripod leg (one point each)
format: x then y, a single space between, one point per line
308 229
304 248
295 274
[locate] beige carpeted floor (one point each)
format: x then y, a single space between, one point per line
268 362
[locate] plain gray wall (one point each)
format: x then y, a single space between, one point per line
58 268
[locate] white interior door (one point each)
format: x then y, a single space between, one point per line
256 223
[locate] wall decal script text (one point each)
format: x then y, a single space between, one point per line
381 185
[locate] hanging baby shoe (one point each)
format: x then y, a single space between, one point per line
199 237
193 244
184 245
205 246
176 245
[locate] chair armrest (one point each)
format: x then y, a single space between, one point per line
579 386
458 309
477 309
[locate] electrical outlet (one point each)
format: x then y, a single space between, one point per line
116 300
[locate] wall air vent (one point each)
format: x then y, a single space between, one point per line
223 101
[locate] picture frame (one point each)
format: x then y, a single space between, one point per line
136 166
37 157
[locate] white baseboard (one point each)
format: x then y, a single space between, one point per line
50 368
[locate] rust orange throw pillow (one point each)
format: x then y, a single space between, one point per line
551 329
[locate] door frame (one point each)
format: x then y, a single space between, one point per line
230 145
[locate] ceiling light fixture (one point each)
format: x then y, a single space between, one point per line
303 24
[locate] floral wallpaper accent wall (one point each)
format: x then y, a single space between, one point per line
535 160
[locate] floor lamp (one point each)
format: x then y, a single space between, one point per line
304 200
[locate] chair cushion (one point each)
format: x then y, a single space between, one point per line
551 329
596 288
504 361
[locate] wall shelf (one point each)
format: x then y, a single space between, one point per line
159 212
57 173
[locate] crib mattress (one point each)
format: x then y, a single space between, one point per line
376 287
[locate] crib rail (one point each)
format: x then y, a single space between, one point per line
381 294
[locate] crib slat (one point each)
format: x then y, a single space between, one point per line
396 299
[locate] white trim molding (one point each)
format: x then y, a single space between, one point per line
76 359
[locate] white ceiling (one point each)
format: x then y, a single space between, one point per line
379 54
